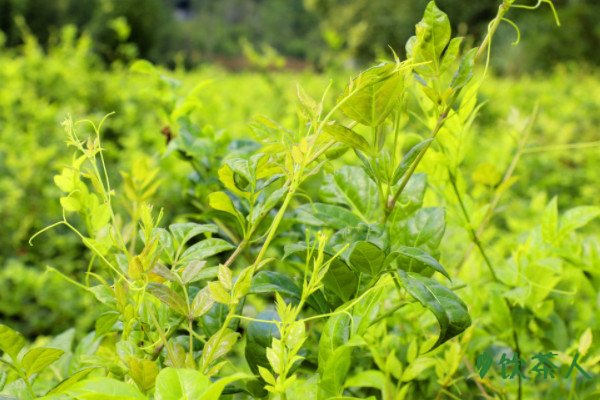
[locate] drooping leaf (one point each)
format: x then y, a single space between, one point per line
221 202
449 310
414 258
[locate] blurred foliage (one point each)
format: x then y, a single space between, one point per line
323 33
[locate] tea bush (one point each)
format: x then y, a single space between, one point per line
378 240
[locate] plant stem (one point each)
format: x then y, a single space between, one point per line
470 229
483 253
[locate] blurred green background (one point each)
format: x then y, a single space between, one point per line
318 33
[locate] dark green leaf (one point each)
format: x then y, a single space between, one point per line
340 280
259 336
449 310
365 257
271 282
414 258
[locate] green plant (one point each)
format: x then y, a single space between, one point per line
324 288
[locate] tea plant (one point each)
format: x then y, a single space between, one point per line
341 274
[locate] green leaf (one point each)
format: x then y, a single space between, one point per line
415 369
319 214
143 372
576 218
352 187
373 94
204 249
451 53
105 322
449 310
70 203
259 336
271 282
216 388
218 293
410 201
432 37
414 258
369 378
104 389
201 304
183 232
39 358
424 229
340 280
221 202
335 351
366 257
193 271
168 297
143 67
408 159
11 342
180 383
347 136
218 345
266 205
465 70
66 384
550 222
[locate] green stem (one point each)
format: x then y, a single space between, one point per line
483 253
